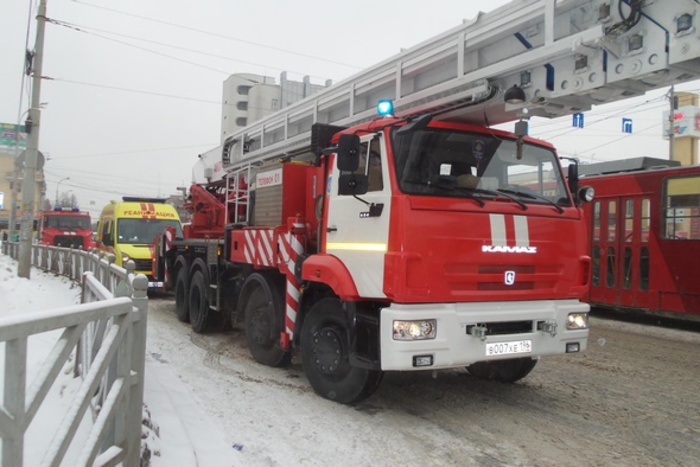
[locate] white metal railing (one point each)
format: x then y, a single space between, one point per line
108 331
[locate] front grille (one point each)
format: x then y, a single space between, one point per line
142 264
504 328
500 268
68 241
502 286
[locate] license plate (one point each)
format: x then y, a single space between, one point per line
155 284
507 348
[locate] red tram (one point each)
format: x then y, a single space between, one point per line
645 237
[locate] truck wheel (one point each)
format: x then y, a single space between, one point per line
505 371
199 304
325 353
262 329
182 309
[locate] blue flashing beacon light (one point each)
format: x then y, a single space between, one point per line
385 108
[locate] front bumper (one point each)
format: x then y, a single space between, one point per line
455 344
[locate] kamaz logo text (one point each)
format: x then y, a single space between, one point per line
508 249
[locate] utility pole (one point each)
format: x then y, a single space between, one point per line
671 120
33 126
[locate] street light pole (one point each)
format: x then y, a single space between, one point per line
24 264
57 185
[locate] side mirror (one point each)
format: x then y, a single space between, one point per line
352 184
348 153
573 181
586 194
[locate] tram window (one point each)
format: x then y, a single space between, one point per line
627 278
682 208
596 266
644 268
596 220
629 219
612 216
610 268
645 220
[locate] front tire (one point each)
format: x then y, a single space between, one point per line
263 325
199 303
325 352
505 371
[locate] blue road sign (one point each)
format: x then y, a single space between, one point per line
626 125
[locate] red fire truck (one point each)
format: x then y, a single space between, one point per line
423 239
403 246
66 227
645 237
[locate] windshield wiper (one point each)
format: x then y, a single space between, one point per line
532 196
495 194
447 188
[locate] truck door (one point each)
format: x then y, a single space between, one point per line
354 234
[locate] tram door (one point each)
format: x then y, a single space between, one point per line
620 251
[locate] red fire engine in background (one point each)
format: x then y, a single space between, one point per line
645 237
66 227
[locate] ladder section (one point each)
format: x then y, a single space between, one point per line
238 195
566 55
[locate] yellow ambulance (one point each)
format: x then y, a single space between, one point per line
127 229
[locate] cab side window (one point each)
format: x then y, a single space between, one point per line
371 164
107 233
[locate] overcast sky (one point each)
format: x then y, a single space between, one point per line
135 89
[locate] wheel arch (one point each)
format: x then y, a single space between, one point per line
272 285
329 270
180 263
199 265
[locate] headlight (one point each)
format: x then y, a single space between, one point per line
415 330
577 321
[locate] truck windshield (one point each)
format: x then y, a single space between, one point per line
143 231
440 162
67 222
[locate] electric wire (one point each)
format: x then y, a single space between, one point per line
90 30
223 36
138 151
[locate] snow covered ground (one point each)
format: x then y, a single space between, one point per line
183 435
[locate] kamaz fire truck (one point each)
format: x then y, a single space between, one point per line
421 238
66 227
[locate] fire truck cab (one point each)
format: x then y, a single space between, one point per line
66 227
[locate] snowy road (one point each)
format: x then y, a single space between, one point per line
630 400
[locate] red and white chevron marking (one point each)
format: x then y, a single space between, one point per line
258 249
290 247
169 237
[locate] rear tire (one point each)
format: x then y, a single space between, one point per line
325 353
263 325
505 371
182 309
199 303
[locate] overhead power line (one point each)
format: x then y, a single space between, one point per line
117 88
222 36
90 30
138 151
